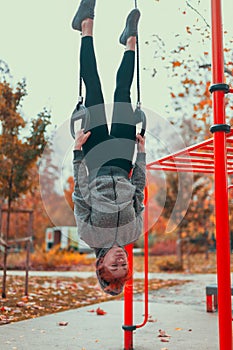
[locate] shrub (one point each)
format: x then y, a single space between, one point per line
165 247
57 258
170 265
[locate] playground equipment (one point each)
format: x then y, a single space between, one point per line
6 243
129 326
211 156
81 112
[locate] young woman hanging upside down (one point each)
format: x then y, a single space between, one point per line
109 189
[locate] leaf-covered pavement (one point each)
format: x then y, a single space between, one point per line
49 295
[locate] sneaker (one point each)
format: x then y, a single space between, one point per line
85 10
131 27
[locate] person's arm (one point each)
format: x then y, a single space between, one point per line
81 190
138 178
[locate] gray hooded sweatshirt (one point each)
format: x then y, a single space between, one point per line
108 208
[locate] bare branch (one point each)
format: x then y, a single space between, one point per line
199 14
208 65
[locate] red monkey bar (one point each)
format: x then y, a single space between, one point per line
221 189
129 326
211 156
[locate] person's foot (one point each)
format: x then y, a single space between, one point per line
85 10
131 27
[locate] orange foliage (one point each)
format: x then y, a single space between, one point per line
68 192
189 81
176 64
56 258
173 95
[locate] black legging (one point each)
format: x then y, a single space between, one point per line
102 148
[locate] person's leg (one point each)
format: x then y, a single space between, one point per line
123 124
123 121
94 97
83 21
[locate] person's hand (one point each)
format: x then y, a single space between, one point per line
80 139
140 143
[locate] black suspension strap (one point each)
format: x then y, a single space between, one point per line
80 87
80 112
139 114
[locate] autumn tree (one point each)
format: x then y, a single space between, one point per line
190 107
188 68
69 191
18 153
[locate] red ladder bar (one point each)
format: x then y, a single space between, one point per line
221 191
129 326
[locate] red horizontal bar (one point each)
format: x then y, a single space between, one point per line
201 154
208 148
185 151
185 170
195 160
187 165
211 148
192 151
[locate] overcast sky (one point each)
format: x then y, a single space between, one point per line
38 44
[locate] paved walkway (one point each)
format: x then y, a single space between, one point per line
179 311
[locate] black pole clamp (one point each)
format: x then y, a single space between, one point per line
220 127
219 87
129 328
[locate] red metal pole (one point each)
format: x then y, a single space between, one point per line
128 304
221 190
128 326
146 260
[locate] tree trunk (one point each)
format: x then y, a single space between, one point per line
6 239
179 249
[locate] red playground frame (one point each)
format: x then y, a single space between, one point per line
211 156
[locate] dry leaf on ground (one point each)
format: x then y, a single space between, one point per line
63 323
100 312
162 333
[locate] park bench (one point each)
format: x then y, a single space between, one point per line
212 297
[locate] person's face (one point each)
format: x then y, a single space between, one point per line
115 263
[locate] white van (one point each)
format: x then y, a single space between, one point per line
66 237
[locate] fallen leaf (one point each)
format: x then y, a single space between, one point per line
164 340
178 329
100 312
20 304
25 298
63 323
162 333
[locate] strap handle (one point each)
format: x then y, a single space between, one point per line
138 66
